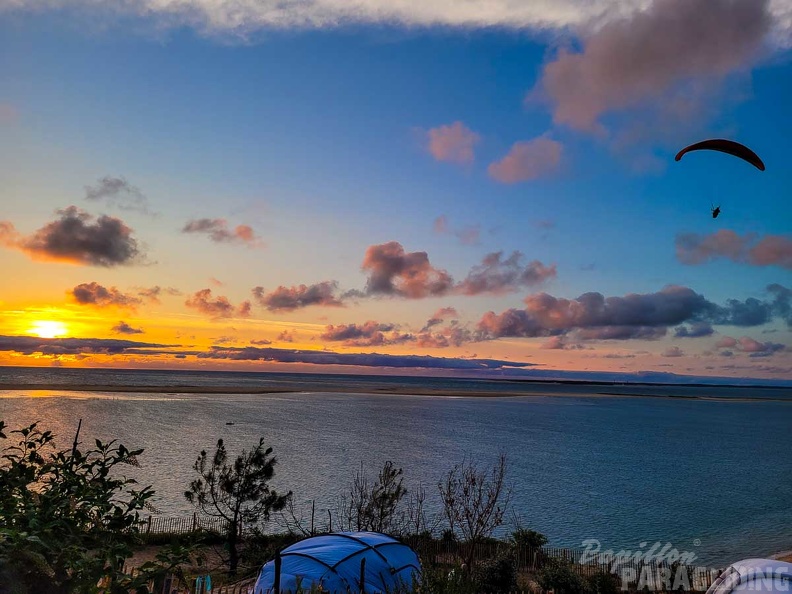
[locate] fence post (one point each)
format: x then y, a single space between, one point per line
195 521
148 529
276 585
363 576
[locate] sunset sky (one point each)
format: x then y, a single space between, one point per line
380 185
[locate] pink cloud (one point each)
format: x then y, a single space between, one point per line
466 235
370 333
219 232
771 250
216 307
527 160
453 143
645 57
497 276
297 297
392 271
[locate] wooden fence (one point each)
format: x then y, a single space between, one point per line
185 525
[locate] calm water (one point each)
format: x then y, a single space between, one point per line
623 470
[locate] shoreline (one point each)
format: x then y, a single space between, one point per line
373 390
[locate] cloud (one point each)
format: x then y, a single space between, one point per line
75 237
241 18
326 357
452 143
438 317
497 276
726 342
770 250
782 302
297 297
527 160
219 232
392 271
627 63
595 317
118 192
695 330
29 345
745 344
673 351
124 328
216 307
466 235
451 335
153 294
285 336
99 296
260 341
370 333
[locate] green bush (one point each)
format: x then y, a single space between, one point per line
498 574
561 577
604 582
522 537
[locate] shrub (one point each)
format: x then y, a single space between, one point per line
522 537
562 578
498 574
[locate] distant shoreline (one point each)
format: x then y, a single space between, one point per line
351 389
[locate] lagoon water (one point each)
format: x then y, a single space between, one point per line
709 475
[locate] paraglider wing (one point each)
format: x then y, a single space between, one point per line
725 146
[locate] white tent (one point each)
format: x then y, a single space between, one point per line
344 562
754 575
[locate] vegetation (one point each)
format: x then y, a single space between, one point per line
237 492
475 501
69 521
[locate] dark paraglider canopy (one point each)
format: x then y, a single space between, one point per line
725 146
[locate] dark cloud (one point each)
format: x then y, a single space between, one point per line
673 351
118 192
771 250
124 328
782 302
216 307
595 317
694 330
646 58
218 231
77 238
751 312
448 336
153 294
297 297
29 345
286 336
357 359
95 294
392 271
438 317
370 333
496 275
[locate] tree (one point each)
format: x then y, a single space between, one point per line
69 519
238 493
475 501
374 506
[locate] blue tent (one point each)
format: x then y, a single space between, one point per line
334 562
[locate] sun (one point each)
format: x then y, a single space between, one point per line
48 328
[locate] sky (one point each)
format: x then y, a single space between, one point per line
393 186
